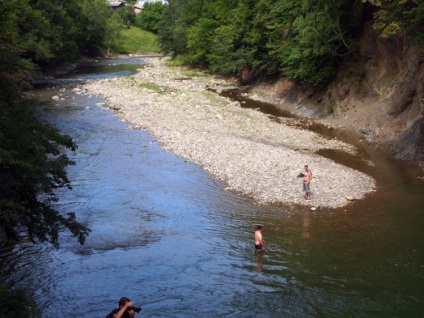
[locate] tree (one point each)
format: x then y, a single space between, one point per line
303 40
95 15
149 18
399 18
32 167
127 15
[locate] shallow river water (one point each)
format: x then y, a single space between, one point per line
168 236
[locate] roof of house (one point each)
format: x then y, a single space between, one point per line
140 3
116 3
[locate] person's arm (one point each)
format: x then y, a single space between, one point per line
121 311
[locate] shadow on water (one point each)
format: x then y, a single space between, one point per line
173 240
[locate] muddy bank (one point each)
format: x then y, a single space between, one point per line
378 94
254 155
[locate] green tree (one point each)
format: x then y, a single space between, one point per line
178 16
304 40
149 18
95 14
32 167
316 42
114 27
400 18
127 15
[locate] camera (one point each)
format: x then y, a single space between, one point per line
136 309
301 175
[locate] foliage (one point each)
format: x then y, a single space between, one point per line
135 40
127 15
400 17
149 18
17 304
305 40
34 33
114 28
31 169
95 14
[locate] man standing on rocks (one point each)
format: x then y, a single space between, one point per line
306 183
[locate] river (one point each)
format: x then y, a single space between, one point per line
168 236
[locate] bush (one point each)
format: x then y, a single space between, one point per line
17 304
149 18
32 167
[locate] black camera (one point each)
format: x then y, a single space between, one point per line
301 175
136 309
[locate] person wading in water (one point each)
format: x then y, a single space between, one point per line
259 240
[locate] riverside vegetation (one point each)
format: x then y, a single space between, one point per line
35 36
306 41
341 60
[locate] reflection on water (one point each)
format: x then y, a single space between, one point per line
259 258
170 238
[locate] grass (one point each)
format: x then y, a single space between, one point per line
153 87
135 40
178 61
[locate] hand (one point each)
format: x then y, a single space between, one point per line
129 304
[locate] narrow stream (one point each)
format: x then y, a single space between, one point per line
168 236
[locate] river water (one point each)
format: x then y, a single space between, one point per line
168 236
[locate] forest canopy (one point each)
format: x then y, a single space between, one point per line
306 40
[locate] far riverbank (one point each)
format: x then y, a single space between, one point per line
254 155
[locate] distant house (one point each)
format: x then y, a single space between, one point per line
138 7
117 4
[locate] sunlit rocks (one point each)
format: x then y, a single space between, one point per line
252 153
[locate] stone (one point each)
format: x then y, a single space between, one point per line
350 198
56 98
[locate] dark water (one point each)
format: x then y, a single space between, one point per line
169 237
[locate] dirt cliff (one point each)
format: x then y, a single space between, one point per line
378 93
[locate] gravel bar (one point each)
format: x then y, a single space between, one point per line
253 154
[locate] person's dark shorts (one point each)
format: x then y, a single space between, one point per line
258 247
306 187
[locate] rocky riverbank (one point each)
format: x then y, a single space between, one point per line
253 154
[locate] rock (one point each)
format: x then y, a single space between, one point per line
350 198
314 208
56 98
